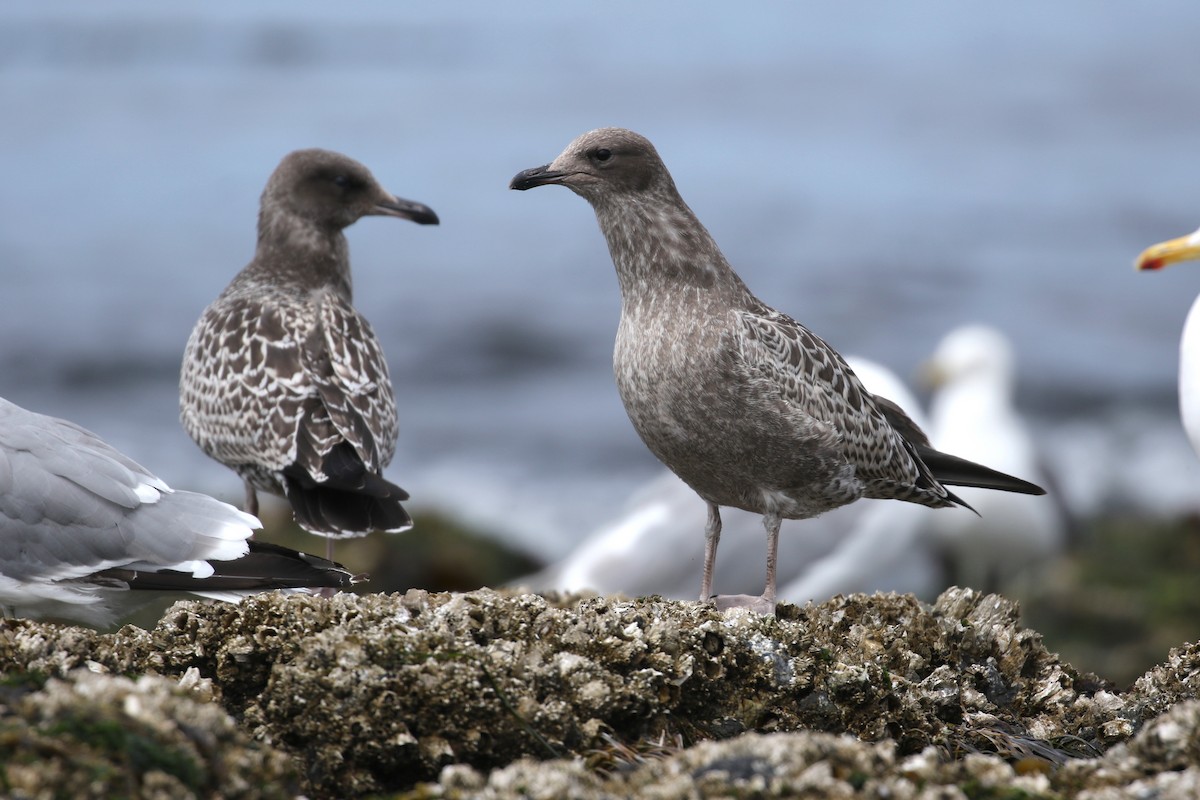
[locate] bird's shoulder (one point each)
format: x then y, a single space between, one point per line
253 343
243 317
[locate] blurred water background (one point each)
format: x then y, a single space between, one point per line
882 172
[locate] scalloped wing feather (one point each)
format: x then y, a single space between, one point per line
245 392
812 377
347 365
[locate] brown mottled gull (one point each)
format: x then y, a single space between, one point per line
283 380
747 406
83 527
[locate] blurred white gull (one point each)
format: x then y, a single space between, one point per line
1172 251
871 545
83 527
973 373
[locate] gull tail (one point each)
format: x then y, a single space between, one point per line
351 501
333 512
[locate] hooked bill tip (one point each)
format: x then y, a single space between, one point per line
537 176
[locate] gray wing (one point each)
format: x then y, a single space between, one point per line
813 378
71 505
346 363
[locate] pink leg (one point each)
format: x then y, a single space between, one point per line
327 591
712 536
771 522
765 603
251 506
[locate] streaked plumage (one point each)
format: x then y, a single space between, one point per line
283 380
747 406
653 548
82 527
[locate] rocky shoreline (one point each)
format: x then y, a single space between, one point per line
506 695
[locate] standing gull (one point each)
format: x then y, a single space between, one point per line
1184 248
743 403
283 380
83 526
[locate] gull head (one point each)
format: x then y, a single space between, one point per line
332 191
607 162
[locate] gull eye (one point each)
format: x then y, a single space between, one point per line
602 155
342 180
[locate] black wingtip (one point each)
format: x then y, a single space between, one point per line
267 566
954 471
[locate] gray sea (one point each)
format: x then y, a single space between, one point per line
883 172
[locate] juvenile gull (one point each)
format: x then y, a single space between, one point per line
283 380
743 403
82 527
1184 248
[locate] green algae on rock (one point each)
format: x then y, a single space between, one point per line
96 735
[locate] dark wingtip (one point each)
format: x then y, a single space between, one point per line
954 471
536 176
266 566
297 569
